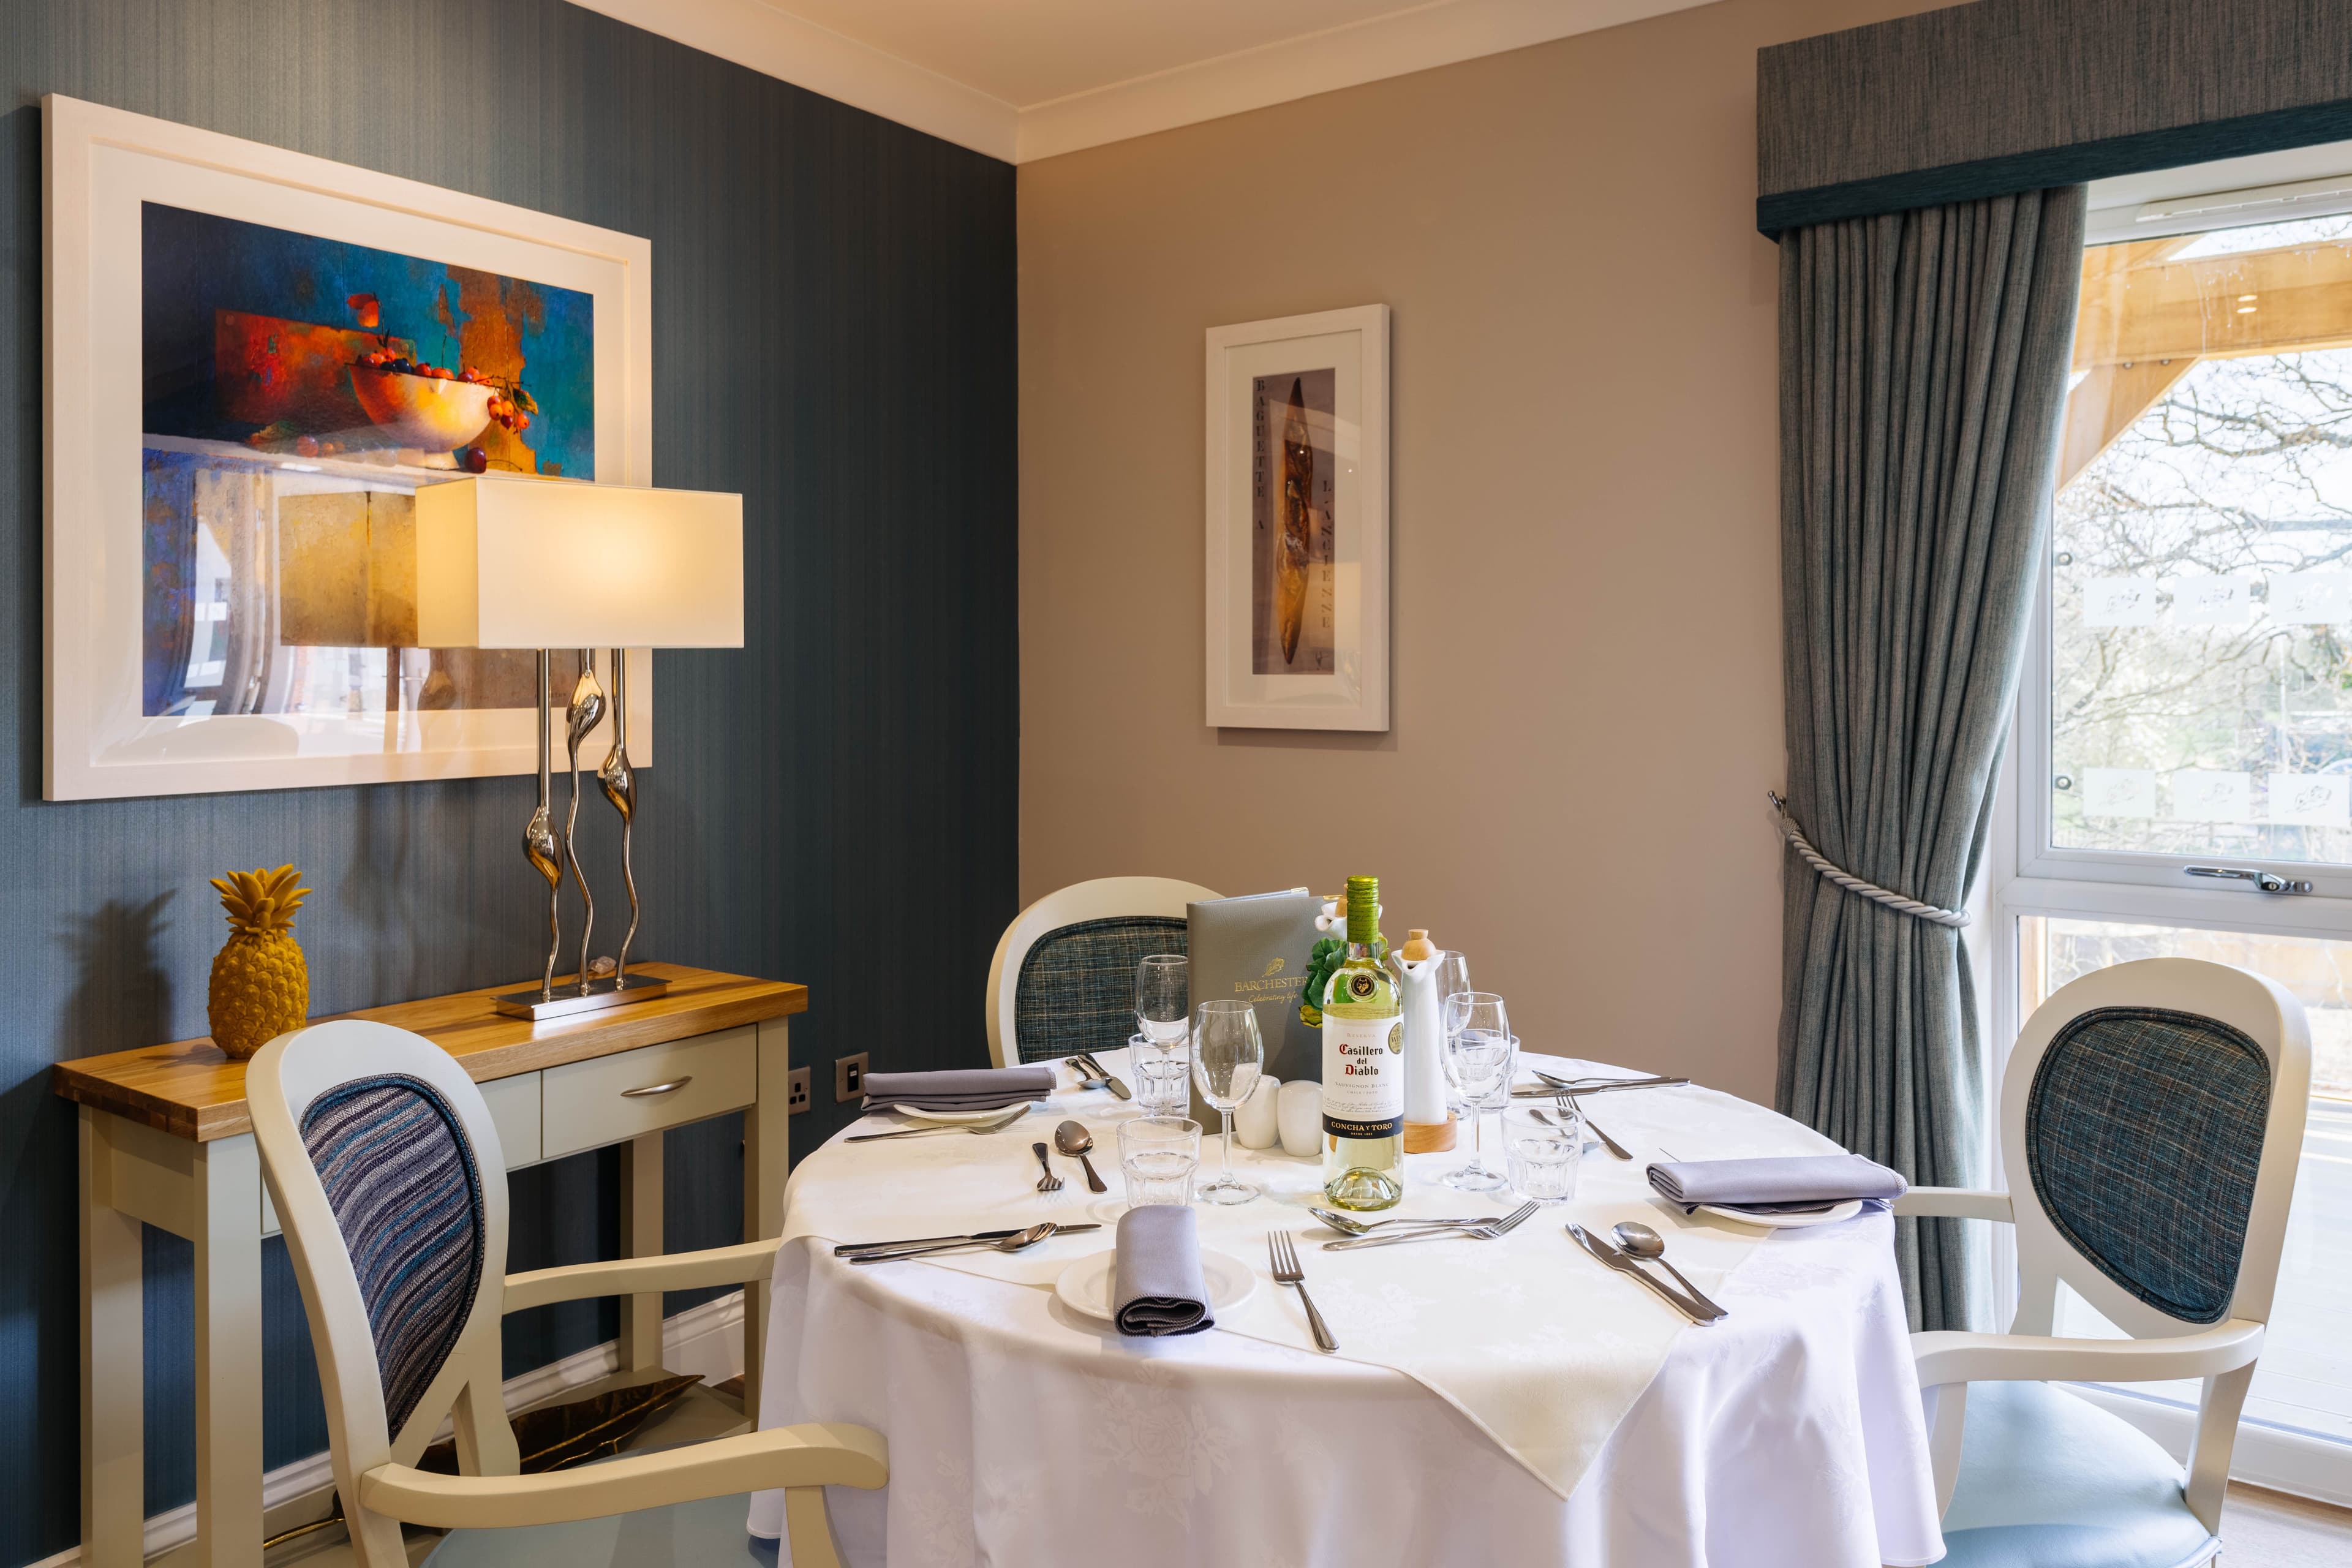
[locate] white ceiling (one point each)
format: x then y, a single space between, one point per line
1028 79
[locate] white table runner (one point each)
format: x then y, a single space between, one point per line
1536 1343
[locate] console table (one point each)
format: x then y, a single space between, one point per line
166 1140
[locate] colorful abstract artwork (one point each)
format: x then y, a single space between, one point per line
297 391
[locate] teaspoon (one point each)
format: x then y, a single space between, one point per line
1644 1243
1073 1140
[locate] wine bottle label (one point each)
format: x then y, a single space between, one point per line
1363 1076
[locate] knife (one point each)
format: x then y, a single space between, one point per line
1624 1265
1594 1085
1108 1082
848 1248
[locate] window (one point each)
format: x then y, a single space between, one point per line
2183 764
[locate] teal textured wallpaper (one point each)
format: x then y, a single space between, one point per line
833 337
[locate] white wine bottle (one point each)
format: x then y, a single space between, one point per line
1363 1065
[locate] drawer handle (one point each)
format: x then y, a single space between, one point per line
672 1087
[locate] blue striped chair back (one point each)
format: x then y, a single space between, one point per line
400 1176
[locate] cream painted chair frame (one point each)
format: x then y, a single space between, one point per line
374 1468
1104 899
2164 1347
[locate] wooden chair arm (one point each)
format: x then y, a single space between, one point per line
1946 1358
817 1455
635 1276
1956 1203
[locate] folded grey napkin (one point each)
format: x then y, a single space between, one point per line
1157 1287
1793 1184
964 1089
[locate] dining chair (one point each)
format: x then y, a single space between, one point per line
389 1184
1063 979
2151 1120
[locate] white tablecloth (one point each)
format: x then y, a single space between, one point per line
1790 1434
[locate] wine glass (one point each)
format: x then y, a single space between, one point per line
1227 1054
1163 998
1479 1055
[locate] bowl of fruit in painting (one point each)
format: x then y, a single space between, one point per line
422 408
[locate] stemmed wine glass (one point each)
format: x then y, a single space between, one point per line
1479 1054
1227 1054
1163 998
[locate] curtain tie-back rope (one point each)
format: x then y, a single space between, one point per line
1851 883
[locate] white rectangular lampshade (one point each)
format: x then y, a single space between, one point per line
508 562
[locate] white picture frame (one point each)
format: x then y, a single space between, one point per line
1297 523
101 737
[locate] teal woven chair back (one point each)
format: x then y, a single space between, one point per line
2144 1133
400 1177
1076 989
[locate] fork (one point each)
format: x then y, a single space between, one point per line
1485 1231
1283 1253
1575 1107
1048 1182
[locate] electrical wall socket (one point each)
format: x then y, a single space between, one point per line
848 1078
796 1091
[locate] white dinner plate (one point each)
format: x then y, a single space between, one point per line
1844 1211
1084 1286
959 1117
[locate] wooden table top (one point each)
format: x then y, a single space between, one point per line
189 1088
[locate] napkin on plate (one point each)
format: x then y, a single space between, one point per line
965 1089
1157 1287
1793 1184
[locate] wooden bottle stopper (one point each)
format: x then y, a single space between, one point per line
1429 1137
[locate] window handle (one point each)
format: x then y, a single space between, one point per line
2264 881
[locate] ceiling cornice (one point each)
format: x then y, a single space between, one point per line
778 44
760 36
1401 42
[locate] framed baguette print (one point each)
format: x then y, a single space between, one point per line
255 359
1299 523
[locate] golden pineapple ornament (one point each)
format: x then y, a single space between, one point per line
261 986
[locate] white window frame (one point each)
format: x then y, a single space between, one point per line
2026 876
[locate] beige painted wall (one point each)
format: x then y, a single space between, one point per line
1587 706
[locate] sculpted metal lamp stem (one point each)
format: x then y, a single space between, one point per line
508 562
619 782
582 714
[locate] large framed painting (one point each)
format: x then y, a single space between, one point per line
1299 523
255 358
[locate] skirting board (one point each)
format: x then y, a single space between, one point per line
2272 1456
708 1340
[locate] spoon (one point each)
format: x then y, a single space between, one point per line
1075 1141
1340 1222
1013 1243
1644 1243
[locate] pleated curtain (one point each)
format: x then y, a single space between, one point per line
1923 368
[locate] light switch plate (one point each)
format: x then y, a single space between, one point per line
849 1077
796 1091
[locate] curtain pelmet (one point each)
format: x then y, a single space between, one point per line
1923 370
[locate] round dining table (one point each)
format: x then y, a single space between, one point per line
1502 1402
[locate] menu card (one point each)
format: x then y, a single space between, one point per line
1255 949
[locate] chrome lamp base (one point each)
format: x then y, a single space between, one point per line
569 1001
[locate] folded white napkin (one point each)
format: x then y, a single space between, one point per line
1793 1184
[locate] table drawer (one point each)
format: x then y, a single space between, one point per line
589 1104
514 1111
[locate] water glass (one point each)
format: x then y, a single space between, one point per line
1163 1008
1544 1150
1227 1056
1157 1155
1163 1078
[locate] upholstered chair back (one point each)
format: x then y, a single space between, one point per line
2151 1121
388 1179
1064 977
1076 991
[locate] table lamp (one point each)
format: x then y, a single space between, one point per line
515 563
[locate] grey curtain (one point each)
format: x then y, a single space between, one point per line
1923 366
